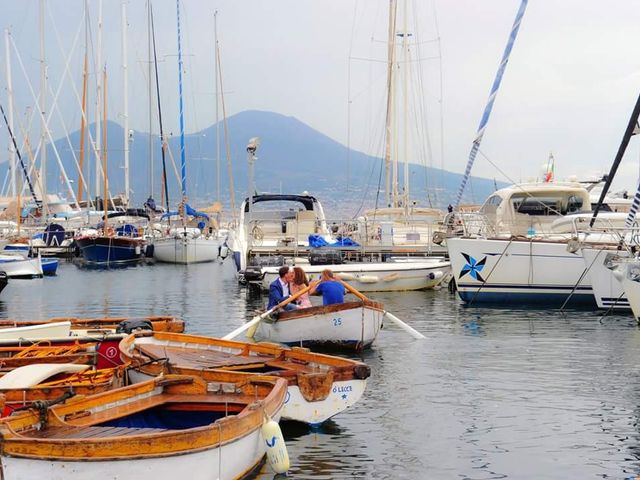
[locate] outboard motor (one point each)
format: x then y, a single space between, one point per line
129 326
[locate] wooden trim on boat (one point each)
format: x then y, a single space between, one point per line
159 323
323 309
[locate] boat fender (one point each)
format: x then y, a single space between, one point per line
391 277
436 275
148 252
368 279
346 277
277 454
223 251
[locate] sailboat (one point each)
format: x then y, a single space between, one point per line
106 246
186 243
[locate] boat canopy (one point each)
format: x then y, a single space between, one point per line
306 200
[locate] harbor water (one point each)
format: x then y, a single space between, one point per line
490 394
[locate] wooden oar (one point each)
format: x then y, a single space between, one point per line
413 332
257 319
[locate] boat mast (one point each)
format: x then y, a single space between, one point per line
162 139
125 95
217 93
405 151
183 173
492 97
98 102
391 48
12 150
105 177
83 120
150 90
43 109
632 128
227 144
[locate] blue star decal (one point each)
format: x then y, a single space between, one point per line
473 267
344 396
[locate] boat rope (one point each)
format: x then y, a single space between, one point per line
42 407
492 269
492 97
575 287
611 307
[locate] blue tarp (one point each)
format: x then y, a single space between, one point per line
316 241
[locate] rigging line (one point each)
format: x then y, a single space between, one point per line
349 100
24 169
441 99
162 137
584 273
45 123
517 185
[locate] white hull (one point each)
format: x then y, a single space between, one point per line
17 266
379 276
518 271
37 332
343 395
355 328
226 463
607 289
629 275
185 250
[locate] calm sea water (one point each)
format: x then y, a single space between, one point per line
491 393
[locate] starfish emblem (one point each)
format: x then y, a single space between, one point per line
473 267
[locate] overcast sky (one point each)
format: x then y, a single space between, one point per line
569 88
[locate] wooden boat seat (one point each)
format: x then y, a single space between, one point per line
201 359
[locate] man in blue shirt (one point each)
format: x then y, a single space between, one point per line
332 291
279 289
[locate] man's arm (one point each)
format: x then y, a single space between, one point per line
276 294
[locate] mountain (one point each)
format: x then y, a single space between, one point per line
293 157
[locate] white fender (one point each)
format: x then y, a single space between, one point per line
437 275
347 277
368 279
277 454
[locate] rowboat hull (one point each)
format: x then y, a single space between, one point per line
232 461
378 277
347 326
185 250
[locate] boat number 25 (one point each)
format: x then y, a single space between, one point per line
337 322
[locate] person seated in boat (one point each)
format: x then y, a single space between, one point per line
279 289
332 291
299 282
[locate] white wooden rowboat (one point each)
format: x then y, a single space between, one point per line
344 326
163 429
319 386
37 332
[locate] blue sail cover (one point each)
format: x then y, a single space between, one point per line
189 211
316 241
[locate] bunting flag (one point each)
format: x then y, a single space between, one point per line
492 97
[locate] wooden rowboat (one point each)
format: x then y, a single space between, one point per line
158 323
166 428
106 333
344 326
79 353
319 386
24 385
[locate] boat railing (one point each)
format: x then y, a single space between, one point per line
468 224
